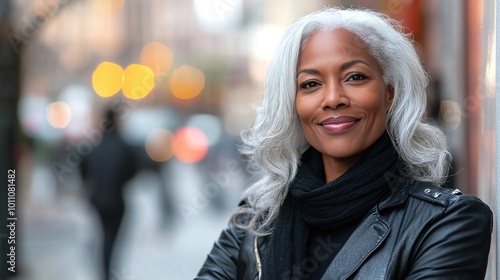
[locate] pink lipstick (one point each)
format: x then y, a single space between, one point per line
338 124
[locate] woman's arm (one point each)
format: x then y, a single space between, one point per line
221 263
457 244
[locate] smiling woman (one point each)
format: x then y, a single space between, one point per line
351 174
342 100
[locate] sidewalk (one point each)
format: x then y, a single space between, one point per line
61 240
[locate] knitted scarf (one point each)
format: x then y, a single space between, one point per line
311 202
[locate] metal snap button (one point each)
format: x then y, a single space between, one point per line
456 191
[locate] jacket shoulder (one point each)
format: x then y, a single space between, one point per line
436 194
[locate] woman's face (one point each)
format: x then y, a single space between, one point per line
341 99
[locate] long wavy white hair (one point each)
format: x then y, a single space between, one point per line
276 141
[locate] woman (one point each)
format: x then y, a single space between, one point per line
351 175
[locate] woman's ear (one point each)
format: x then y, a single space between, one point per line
389 97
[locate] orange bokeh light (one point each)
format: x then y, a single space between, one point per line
190 144
107 79
139 81
159 144
58 114
187 82
157 56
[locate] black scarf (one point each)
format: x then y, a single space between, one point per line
311 202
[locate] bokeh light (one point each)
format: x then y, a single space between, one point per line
157 56
190 144
210 125
187 82
107 7
159 144
139 81
58 114
218 16
107 79
80 99
264 41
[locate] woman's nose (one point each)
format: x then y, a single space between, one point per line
334 97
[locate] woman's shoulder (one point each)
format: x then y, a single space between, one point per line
448 198
425 205
433 193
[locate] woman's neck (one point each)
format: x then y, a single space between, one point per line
334 167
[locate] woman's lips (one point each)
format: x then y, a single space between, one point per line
338 124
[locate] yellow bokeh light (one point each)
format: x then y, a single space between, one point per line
58 114
159 144
139 81
157 56
187 82
190 144
107 7
107 79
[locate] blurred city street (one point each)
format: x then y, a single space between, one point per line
61 240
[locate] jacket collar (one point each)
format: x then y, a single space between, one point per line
400 188
369 235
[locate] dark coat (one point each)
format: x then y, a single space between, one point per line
108 167
420 232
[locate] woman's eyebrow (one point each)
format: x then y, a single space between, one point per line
342 67
348 64
307 71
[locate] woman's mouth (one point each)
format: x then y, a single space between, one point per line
338 124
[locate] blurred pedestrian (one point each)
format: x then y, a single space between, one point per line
105 170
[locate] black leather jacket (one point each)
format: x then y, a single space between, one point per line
420 232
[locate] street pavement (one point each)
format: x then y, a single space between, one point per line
59 237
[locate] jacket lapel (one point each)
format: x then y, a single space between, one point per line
363 241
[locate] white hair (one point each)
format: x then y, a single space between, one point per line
276 141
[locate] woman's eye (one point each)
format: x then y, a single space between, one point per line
357 77
308 84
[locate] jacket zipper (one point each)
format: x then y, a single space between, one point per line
257 257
